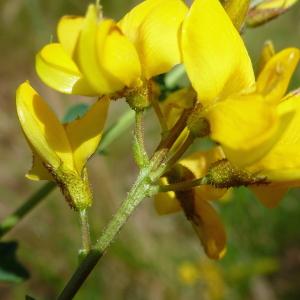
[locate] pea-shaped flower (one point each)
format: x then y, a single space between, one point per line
242 114
93 57
196 202
60 151
97 56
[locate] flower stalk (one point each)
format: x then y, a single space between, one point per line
141 189
85 232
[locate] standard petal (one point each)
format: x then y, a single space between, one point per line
242 122
56 69
282 163
42 128
68 30
87 54
38 170
118 55
275 77
210 230
154 27
85 134
214 54
269 195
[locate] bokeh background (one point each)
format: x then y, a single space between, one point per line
154 257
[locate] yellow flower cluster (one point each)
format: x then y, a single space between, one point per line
255 124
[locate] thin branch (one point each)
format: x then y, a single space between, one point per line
12 220
157 109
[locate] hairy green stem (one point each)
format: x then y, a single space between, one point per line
10 221
138 192
85 231
139 150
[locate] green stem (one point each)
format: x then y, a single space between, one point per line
85 231
10 221
139 149
176 130
138 192
182 186
157 109
177 155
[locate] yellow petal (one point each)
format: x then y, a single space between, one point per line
214 54
38 170
242 122
166 203
85 134
42 128
56 69
199 162
153 27
269 195
118 55
282 163
268 51
274 79
244 158
92 35
68 30
210 230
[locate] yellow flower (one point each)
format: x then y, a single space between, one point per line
281 165
243 115
196 202
154 26
97 56
188 273
60 152
93 57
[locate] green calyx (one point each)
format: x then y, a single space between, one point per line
75 188
223 175
138 99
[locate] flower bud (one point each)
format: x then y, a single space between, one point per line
265 11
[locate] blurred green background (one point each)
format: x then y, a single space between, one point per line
154 257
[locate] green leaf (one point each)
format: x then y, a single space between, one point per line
75 112
11 270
